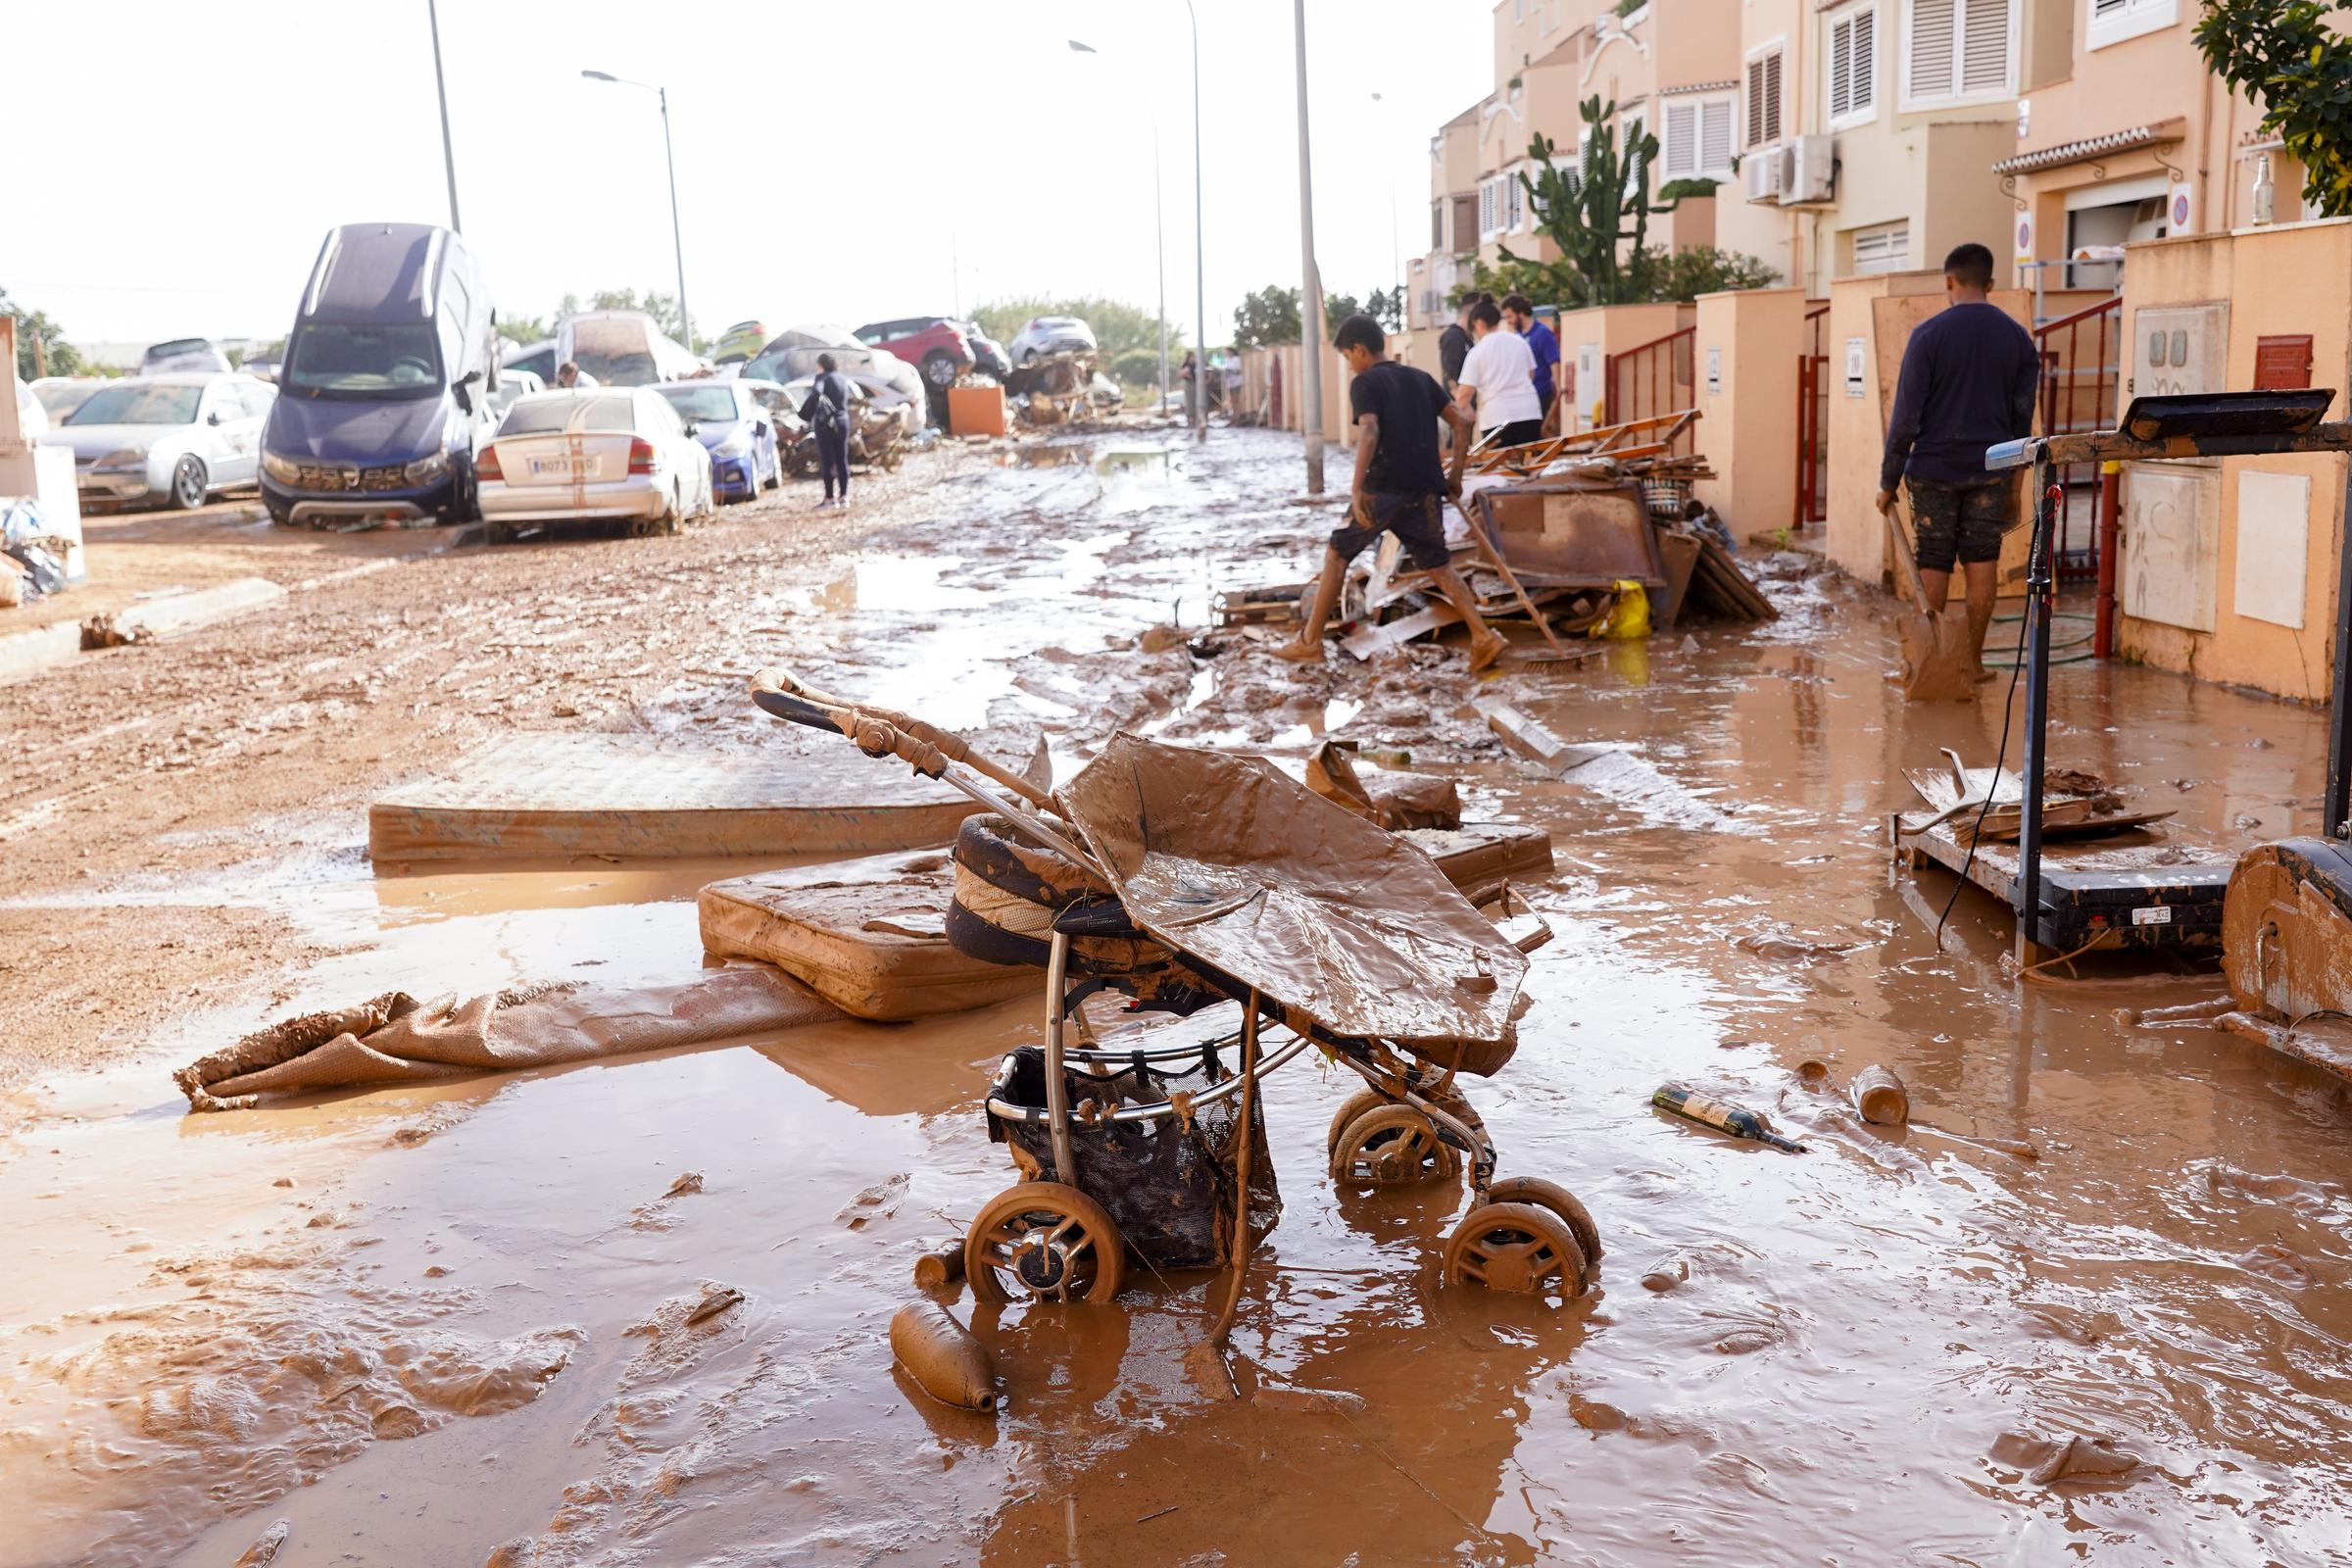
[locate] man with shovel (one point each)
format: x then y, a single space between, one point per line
1969 380
1400 487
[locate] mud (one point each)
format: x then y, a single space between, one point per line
477 1354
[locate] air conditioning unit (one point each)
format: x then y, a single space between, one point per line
1808 169
1762 168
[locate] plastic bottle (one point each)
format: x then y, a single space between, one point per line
1736 1120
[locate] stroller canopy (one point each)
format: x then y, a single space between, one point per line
1226 859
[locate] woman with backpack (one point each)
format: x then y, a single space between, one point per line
826 411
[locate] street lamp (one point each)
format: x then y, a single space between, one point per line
1200 245
449 155
1159 241
677 238
1310 362
1396 245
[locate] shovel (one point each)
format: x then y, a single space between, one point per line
1938 665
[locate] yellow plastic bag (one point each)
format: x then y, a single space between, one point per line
1629 617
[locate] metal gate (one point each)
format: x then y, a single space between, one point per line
2082 377
1813 423
1649 379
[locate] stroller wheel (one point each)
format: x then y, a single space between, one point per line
1043 1242
1560 1200
1517 1248
1392 1145
1353 1106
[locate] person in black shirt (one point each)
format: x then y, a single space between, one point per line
1400 486
1969 380
1453 344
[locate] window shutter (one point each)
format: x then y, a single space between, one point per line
1862 58
1715 138
1928 72
1842 68
1985 46
1764 99
2103 10
1678 148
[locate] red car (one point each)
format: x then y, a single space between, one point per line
932 344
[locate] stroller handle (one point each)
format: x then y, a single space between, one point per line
780 692
777 692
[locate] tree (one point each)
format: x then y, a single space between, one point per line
1387 306
1121 330
1266 318
54 357
525 329
1583 209
2285 54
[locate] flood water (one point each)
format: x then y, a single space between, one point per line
422 1324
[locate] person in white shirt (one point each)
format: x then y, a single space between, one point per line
1498 381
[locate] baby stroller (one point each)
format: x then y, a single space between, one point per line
1182 879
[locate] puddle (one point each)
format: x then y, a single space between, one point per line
484 1338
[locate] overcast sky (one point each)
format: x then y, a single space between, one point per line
177 164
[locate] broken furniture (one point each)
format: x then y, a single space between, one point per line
1187 879
2068 894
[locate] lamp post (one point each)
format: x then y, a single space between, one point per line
1160 238
1199 243
676 236
1310 356
449 156
1396 244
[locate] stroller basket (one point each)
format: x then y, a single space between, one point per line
1168 1183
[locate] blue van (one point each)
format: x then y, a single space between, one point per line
386 390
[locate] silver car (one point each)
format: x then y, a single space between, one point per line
167 440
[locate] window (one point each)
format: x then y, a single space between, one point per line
1436 226
1764 95
2114 21
1886 248
1513 198
1854 73
1629 131
1959 50
1490 208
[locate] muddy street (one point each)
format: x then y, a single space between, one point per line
465 1322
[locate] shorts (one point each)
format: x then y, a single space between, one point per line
1517 433
1413 520
1961 522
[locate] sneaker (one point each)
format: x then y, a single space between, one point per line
1299 653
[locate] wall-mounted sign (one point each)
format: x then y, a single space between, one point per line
1714 368
2025 237
2181 209
1857 354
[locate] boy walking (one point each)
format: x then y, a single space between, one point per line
1398 487
1969 378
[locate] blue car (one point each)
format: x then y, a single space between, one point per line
739 433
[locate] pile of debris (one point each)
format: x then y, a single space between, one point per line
1594 535
1051 388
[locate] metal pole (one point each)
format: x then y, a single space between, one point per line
449 156
1200 248
1310 358
1160 244
2039 603
1057 1092
677 236
2337 805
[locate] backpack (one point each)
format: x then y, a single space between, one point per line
824 413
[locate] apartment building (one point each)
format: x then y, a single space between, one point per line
1669 65
2134 140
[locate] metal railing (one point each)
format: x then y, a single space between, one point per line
1649 379
1813 421
2082 380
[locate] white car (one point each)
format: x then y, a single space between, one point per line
1051 335
61 395
612 454
167 440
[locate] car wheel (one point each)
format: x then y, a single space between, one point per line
189 482
939 368
1028 356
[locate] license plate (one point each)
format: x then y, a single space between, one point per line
562 467
2153 914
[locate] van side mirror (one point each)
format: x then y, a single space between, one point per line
463 386
694 427
213 418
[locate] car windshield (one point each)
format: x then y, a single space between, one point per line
545 416
334 356
139 403
177 346
701 402
62 400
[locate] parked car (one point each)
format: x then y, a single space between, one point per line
782 408
740 342
1051 335
621 348
616 454
734 429
511 385
183 354
793 357
388 379
988 355
33 419
61 395
539 359
261 367
165 440
932 344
